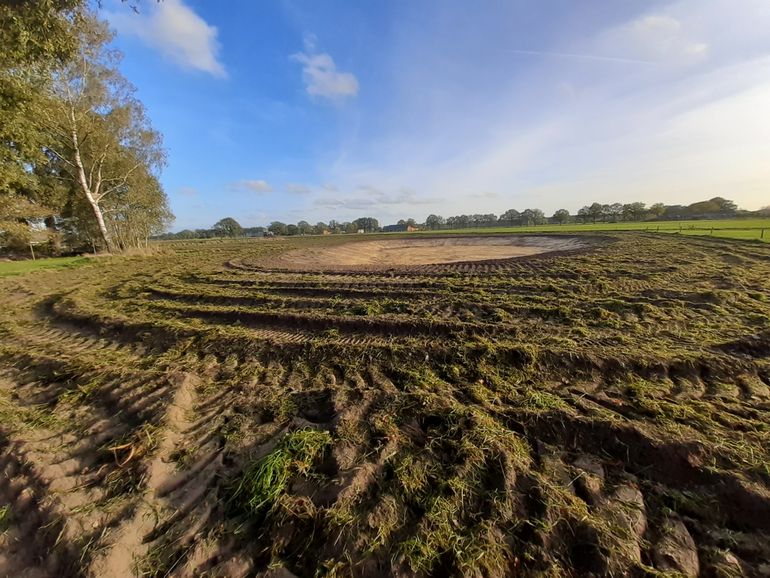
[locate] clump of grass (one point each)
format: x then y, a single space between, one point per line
476 550
22 417
6 515
286 407
80 393
265 480
396 306
415 473
331 333
542 400
367 308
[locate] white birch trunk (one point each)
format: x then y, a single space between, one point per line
85 185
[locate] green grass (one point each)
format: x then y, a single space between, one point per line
5 517
265 480
11 268
746 229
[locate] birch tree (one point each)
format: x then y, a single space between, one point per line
98 131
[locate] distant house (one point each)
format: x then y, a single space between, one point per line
361 231
399 229
326 232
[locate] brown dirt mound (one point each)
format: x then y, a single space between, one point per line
423 251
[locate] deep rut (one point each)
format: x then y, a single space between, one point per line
128 541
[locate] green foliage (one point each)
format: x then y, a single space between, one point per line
6 517
264 481
36 37
40 31
16 215
277 227
561 216
434 222
74 141
368 224
228 227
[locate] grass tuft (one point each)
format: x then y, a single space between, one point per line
6 516
265 480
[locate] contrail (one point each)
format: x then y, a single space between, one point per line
581 56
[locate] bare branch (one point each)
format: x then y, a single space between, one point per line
123 180
60 156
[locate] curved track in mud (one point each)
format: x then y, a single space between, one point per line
600 411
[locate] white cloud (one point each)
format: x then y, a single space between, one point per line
321 76
252 185
669 105
370 197
659 38
176 31
296 188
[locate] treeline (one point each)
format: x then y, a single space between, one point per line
79 160
229 227
716 208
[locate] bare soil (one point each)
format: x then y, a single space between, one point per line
424 251
210 411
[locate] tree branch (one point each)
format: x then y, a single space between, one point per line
122 182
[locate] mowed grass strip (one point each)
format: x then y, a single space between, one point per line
744 229
11 268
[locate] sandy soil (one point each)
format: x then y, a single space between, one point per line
424 251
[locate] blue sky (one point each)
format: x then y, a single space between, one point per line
299 109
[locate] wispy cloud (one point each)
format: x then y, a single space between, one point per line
253 185
177 32
550 132
487 195
658 38
320 74
570 55
650 101
370 197
296 189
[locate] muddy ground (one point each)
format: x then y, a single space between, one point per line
420 250
600 410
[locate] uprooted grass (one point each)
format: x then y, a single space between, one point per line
265 480
6 517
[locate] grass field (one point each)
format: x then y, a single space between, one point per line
214 411
746 229
10 268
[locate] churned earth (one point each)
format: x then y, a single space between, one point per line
420 250
214 409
